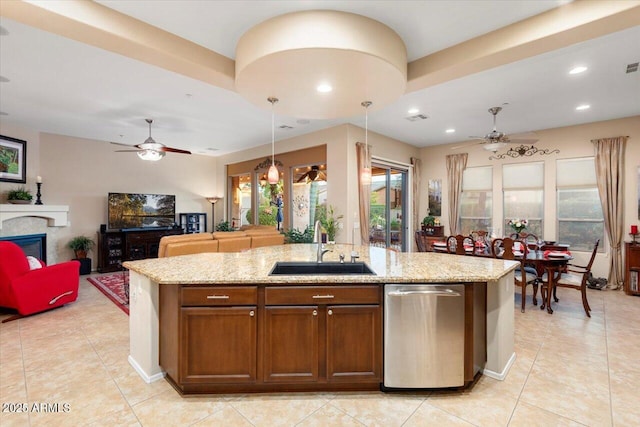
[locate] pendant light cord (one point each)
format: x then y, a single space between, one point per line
273 101
366 105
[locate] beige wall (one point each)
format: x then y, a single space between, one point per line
342 189
80 173
572 141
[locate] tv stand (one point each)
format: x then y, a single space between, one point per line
118 246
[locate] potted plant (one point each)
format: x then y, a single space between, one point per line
428 222
293 235
329 221
20 195
224 226
80 245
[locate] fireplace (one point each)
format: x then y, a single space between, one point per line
32 244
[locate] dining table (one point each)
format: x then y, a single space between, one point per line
552 263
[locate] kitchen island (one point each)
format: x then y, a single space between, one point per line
244 278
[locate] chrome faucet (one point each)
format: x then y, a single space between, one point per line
317 237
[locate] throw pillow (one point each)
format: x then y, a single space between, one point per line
34 264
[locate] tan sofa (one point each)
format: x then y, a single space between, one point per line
220 241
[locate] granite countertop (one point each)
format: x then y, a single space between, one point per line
254 266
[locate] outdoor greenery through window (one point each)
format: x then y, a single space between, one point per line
580 220
476 202
309 195
523 195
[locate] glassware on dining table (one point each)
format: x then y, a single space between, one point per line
539 244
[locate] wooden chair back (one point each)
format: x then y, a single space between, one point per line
455 244
503 248
421 242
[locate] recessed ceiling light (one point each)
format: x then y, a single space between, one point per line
450 130
583 107
413 111
578 70
324 88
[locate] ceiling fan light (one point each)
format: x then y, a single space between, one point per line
494 146
151 155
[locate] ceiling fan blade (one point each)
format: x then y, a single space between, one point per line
120 143
127 151
173 150
303 177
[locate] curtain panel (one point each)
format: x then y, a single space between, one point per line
364 192
609 161
456 164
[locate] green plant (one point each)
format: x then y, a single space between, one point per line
224 226
293 235
81 245
429 221
20 193
329 221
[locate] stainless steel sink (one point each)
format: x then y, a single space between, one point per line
302 268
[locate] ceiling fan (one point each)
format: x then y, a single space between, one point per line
150 149
314 174
495 140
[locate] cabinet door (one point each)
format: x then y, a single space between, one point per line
354 344
291 344
219 345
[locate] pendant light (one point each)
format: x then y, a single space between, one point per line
365 173
273 176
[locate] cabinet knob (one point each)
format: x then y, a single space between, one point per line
252 313
330 312
315 312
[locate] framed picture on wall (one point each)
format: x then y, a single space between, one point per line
435 197
13 160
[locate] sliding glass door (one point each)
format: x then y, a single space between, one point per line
388 207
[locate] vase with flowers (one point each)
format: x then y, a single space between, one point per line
518 225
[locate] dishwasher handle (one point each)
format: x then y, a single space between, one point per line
443 293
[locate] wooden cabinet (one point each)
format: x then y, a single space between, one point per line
271 338
632 268
291 344
354 343
193 222
116 247
323 334
208 335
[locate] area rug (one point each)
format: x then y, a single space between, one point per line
115 287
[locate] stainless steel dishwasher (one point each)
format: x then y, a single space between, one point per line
424 332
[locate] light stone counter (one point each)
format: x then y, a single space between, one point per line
254 266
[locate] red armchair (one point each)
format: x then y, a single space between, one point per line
32 291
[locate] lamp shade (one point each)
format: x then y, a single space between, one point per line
273 176
365 176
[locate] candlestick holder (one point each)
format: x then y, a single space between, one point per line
634 236
38 194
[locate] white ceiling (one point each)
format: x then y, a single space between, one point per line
61 86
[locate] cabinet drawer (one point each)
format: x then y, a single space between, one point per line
219 296
287 295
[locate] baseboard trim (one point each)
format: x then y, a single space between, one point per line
148 379
500 375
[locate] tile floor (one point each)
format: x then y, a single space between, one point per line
570 370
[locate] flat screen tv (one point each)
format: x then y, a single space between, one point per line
134 210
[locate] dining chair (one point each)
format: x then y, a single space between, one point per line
574 277
421 244
523 275
456 244
530 239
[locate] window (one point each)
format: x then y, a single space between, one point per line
240 200
580 220
309 184
523 192
476 202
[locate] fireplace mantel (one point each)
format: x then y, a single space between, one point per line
56 214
